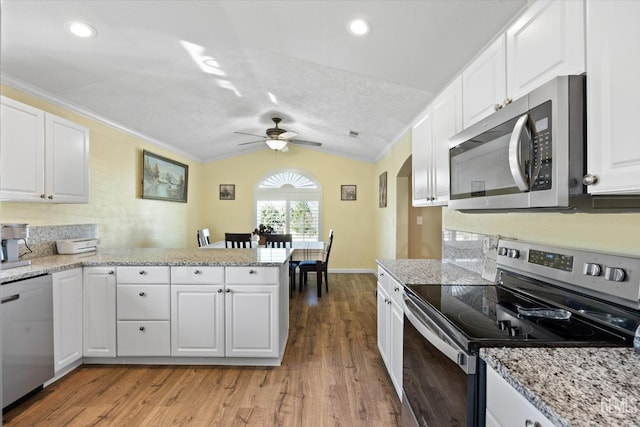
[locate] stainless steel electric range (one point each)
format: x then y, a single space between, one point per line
544 296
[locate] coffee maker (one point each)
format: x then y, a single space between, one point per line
11 236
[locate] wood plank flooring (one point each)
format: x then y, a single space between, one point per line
331 375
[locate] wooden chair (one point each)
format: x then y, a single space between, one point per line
237 240
203 237
311 266
278 240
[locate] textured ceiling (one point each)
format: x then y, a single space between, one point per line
187 74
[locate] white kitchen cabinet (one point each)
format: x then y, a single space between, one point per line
197 311
44 158
546 41
430 146
143 311
613 88
67 319
99 312
506 407
390 326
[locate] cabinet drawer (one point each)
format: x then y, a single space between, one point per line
143 274
252 276
383 278
144 338
197 275
143 302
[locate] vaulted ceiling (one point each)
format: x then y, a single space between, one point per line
188 74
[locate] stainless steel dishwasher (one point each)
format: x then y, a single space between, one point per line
27 336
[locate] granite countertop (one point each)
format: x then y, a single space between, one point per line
574 386
430 272
150 256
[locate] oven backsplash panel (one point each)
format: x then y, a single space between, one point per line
42 239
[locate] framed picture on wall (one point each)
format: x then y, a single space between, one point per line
382 190
227 191
163 178
348 192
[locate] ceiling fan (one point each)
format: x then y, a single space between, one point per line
278 138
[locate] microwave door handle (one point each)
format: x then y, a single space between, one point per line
427 330
515 161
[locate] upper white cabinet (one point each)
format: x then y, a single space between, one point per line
43 157
67 318
548 40
613 90
430 146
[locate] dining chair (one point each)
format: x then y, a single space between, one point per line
311 266
237 240
279 240
203 237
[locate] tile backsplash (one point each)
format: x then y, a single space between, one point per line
42 239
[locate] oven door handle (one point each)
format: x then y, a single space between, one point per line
515 160
431 332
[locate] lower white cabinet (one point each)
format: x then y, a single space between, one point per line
67 318
99 312
506 407
390 326
143 338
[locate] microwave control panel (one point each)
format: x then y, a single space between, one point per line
542 144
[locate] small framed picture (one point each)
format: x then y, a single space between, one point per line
227 191
347 192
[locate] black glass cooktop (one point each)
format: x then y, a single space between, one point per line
524 312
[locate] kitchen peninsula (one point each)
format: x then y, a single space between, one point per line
172 306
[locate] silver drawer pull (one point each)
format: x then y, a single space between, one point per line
11 298
142 272
197 272
142 294
253 272
111 272
141 328
220 291
228 290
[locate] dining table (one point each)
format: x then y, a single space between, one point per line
311 250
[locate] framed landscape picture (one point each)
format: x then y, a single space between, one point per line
227 191
348 192
164 179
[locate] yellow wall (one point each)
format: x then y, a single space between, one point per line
351 221
123 218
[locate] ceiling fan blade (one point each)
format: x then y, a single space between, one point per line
250 134
251 142
287 135
303 142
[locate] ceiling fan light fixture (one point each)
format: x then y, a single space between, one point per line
276 144
359 27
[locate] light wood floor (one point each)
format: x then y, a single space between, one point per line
331 375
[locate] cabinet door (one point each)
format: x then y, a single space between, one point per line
67 317
421 144
613 35
67 161
545 42
21 151
446 122
484 83
251 321
99 312
395 346
197 320
383 325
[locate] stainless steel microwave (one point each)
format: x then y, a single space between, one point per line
530 154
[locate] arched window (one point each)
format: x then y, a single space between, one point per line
289 202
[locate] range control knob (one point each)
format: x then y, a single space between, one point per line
503 324
513 253
514 331
591 269
502 251
614 274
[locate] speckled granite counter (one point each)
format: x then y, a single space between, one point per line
574 386
150 256
430 271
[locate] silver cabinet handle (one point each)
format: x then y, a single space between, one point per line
197 272
142 272
141 328
111 272
142 294
589 179
531 423
50 197
515 161
497 107
11 298
396 289
507 101
43 196
228 290
253 272
220 291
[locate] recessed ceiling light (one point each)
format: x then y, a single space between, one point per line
80 29
359 27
